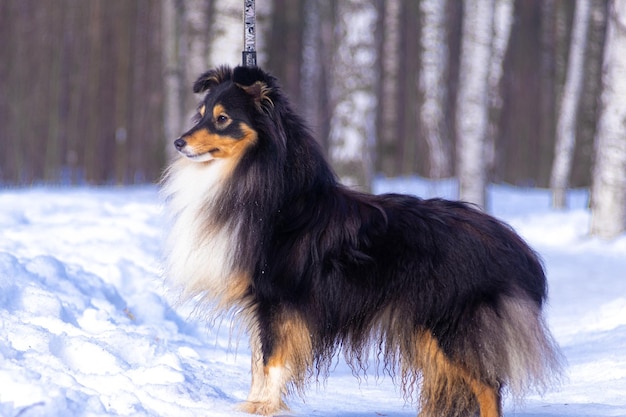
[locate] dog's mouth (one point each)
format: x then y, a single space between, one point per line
200 157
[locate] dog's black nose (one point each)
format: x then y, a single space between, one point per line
180 143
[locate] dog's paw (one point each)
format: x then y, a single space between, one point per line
263 408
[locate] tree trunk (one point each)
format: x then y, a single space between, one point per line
317 53
352 134
388 136
93 161
433 86
264 10
186 34
311 74
226 33
589 106
196 15
608 199
286 43
173 107
502 24
566 124
472 100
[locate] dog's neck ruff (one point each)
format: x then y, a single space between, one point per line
199 252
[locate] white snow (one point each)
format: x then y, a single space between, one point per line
86 327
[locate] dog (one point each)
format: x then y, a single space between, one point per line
447 298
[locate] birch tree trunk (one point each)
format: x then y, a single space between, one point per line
226 33
566 124
195 46
352 134
185 38
608 199
433 86
472 101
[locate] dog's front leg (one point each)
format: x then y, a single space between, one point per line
269 385
281 354
258 376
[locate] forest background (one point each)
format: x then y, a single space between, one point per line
95 92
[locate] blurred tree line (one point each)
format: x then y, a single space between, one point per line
83 83
80 91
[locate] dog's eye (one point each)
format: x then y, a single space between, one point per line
222 120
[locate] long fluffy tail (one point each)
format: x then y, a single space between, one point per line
519 350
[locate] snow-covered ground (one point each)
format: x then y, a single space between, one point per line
86 327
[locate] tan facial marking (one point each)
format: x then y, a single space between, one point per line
202 141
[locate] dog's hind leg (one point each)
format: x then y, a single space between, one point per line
487 396
283 362
449 388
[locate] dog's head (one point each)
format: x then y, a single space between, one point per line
224 125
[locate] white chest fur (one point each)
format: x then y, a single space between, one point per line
199 254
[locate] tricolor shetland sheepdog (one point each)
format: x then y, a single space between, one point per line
448 298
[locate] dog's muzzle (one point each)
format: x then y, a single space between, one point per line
181 146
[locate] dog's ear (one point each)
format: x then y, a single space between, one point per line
212 78
255 83
249 75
